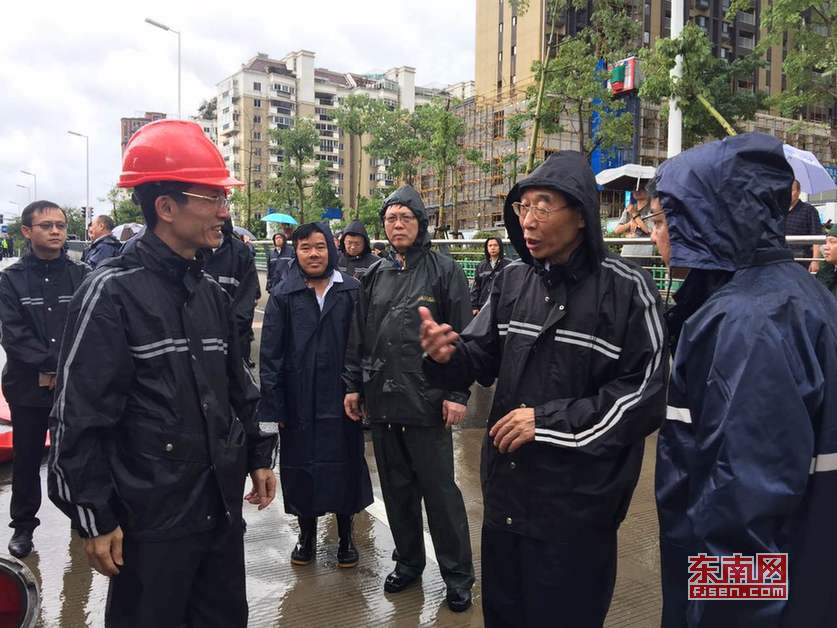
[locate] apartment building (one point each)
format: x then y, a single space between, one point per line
131 125
267 93
506 45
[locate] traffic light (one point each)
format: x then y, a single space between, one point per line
1 219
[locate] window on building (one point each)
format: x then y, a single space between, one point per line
501 27
498 126
500 56
257 87
514 50
514 20
257 102
257 135
257 167
496 171
257 119
257 184
257 152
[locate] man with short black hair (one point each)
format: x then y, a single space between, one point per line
803 220
34 295
154 426
103 243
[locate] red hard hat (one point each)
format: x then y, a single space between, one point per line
173 150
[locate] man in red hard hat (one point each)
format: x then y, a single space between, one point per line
153 426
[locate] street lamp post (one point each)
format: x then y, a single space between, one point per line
87 208
28 191
168 28
34 180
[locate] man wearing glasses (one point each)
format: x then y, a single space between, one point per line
411 420
154 422
573 337
34 295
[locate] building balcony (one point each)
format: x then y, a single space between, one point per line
745 43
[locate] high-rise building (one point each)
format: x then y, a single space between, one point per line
507 43
266 94
131 125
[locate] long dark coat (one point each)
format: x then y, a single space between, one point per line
322 464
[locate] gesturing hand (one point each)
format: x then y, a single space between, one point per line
438 341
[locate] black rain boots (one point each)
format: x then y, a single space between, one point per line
347 555
305 546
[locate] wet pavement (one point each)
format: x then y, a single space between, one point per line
320 594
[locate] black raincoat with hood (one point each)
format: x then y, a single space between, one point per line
484 276
583 344
233 266
384 357
747 460
356 265
322 464
153 427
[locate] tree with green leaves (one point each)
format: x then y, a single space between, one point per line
572 85
515 133
398 138
810 65
258 199
123 208
323 195
444 130
297 145
706 92
356 116
207 109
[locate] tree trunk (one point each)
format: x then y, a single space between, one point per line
301 189
442 185
581 140
457 177
359 172
536 127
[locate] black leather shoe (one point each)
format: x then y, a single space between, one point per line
347 555
21 544
459 601
397 582
303 553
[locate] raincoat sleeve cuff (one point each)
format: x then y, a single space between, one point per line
94 524
458 396
261 453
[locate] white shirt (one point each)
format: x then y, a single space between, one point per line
336 277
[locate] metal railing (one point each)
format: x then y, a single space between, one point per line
469 253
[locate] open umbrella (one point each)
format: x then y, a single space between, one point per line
627 177
280 218
812 177
241 232
127 230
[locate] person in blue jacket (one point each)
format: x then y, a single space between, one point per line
747 460
306 328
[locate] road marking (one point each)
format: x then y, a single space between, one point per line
378 510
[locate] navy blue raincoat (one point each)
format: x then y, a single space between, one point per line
747 460
321 451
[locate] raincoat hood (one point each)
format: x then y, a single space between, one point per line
725 200
356 228
323 228
406 195
569 173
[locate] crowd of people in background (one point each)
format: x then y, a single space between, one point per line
142 371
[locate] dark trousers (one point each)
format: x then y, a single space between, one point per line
560 583
416 463
29 429
195 581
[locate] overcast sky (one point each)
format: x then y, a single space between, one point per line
83 65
